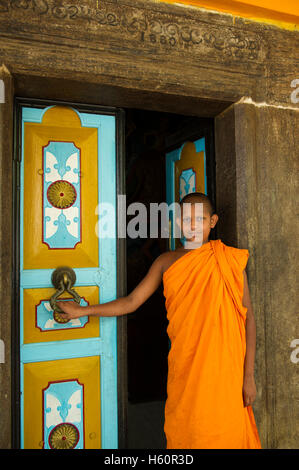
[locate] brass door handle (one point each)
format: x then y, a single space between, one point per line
63 278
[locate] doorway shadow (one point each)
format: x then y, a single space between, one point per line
149 136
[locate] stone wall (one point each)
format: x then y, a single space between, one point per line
6 291
261 216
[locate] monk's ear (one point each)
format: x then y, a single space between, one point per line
215 219
178 221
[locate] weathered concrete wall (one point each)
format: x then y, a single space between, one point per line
261 216
6 149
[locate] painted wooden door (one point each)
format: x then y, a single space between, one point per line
68 371
186 172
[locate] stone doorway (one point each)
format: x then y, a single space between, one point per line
141 407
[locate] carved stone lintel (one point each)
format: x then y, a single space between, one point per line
152 30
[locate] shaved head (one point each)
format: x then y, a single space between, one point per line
198 197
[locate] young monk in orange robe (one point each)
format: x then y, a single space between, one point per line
210 386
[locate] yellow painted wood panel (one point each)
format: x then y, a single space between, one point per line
60 124
189 159
37 377
33 334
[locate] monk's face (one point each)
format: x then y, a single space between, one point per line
196 222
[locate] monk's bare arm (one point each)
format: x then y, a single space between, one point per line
249 389
122 305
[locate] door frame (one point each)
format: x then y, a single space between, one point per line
119 114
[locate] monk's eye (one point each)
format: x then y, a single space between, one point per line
199 218
186 219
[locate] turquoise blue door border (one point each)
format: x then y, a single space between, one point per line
106 345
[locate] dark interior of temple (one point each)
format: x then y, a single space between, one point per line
149 136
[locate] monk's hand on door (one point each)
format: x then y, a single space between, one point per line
249 390
70 309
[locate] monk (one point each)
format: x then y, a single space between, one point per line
210 385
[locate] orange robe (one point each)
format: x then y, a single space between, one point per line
204 407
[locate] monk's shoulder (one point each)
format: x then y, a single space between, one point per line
162 260
236 250
238 256
170 256
173 254
167 256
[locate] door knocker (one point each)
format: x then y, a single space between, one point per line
63 278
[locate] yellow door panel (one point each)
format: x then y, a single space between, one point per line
190 159
40 325
62 404
37 253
